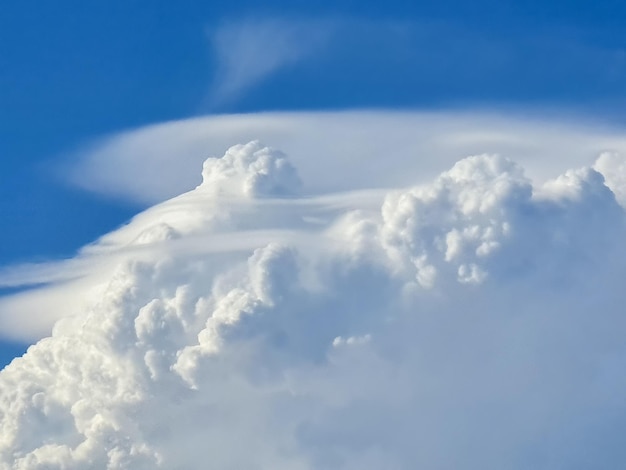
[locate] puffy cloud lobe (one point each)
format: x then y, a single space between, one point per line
474 322
456 222
612 166
250 170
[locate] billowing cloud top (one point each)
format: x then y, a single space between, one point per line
250 170
473 322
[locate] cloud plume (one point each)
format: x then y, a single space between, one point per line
472 321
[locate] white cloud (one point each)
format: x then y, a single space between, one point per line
613 166
251 50
441 60
467 322
250 170
390 149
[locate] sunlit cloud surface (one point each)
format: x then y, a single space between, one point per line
472 319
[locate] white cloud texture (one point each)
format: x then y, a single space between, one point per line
338 151
250 51
474 321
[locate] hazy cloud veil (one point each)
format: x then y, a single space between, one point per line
250 51
472 322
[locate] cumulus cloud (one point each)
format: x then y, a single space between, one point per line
613 166
251 170
467 322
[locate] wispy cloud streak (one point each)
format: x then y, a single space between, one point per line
251 50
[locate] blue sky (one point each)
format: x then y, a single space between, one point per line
72 71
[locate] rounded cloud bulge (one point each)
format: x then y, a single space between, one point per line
471 321
252 170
